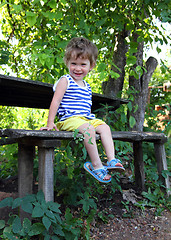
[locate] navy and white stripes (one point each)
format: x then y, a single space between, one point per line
76 101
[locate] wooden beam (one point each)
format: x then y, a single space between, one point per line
46 174
160 155
25 173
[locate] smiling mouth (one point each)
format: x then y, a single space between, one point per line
78 74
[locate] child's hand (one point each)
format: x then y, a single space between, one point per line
49 128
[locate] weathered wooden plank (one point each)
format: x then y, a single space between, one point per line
46 174
116 135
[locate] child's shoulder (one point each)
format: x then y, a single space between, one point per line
63 79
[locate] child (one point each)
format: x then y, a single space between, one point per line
72 102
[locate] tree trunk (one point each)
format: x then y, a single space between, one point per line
113 86
140 86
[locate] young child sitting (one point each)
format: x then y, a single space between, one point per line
72 102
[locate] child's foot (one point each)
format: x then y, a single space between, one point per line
115 164
100 174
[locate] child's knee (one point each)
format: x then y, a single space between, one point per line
103 128
90 130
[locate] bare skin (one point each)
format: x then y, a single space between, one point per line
92 150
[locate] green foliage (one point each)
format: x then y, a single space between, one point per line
8 161
17 118
87 202
4 52
47 221
39 31
159 119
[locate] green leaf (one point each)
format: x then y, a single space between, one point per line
75 133
7 202
86 207
31 18
2 224
51 216
114 74
36 229
132 121
16 203
29 198
89 141
58 230
52 4
37 212
54 207
46 222
101 67
58 218
17 8
158 50
84 153
129 105
40 196
131 60
26 225
55 238
68 215
63 2
166 173
16 226
2 4
27 206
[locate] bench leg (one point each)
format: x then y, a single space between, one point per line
46 158
25 169
25 173
139 165
160 155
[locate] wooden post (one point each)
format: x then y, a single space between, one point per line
139 165
25 169
25 173
46 158
160 155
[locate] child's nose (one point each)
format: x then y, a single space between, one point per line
78 67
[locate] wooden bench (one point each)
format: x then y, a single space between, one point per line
48 140
26 93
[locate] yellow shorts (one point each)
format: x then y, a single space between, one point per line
73 123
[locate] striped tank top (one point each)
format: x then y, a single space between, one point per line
77 101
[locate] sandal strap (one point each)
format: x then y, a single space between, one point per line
113 162
101 172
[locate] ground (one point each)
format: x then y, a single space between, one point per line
116 222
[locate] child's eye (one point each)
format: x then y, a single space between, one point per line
83 64
73 63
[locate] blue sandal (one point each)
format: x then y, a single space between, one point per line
115 164
98 174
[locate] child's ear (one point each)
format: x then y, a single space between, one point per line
92 66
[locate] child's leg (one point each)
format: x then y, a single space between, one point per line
91 148
107 141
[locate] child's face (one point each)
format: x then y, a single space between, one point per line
79 67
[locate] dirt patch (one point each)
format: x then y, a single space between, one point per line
146 226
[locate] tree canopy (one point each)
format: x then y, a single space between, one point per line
36 32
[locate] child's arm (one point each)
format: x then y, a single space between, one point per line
56 100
